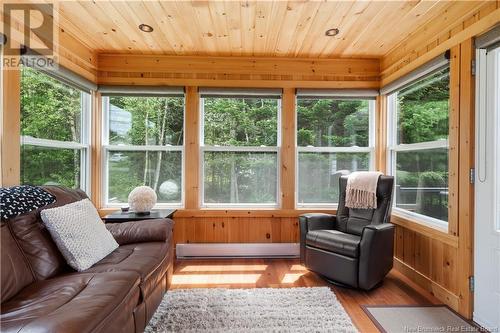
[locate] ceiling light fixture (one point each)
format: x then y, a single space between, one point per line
332 32
145 27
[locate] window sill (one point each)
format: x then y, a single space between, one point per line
237 213
317 206
426 228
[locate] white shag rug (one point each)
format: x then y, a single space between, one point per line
251 310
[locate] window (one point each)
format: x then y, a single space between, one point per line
334 138
418 146
54 131
240 145
143 143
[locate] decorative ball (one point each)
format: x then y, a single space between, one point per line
142 199
169 189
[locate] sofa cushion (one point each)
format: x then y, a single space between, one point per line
149 260
334 241
15 270
41 252
72 303
79 233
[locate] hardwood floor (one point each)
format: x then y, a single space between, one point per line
287 273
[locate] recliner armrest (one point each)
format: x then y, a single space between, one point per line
379 227
310 222
376 253
157 230
317 221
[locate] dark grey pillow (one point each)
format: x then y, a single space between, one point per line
17 200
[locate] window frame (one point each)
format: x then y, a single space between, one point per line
107 148
83 146
257 149
393 148
353 149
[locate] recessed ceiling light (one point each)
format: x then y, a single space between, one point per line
145 27
332 32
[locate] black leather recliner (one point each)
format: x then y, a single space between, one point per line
354 247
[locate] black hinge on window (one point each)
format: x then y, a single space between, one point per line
472 175
471 283
473 67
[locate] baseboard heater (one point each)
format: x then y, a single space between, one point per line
238 250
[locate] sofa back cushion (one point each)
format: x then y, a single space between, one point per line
353 221
42 254
15 271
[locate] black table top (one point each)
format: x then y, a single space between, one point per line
120 216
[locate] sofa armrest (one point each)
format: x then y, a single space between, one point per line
376 254
157 230
313 221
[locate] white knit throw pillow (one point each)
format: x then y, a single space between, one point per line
79 233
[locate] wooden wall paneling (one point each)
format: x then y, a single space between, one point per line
453 139
192 148
466 189
381 134
449 263
349 67
398 242
10 126
236 230
423 259
437 267
437 36
436 289
288 148
430 232
238 71
409 247
96 151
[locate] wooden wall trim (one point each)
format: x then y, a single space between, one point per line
435 38
420 228
453 140
10 145
288 148
466 189
431 286
381 134
225 81
238 71
96 151
192 148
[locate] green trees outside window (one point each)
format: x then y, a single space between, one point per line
420 151
333 139
52 150
145 136
240 153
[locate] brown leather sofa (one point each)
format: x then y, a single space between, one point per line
41 293
354 247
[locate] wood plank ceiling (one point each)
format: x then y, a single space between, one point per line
368 29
